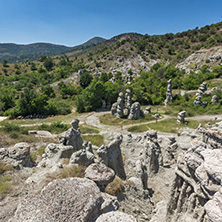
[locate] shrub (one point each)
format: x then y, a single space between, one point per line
115 187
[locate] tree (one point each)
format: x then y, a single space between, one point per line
48 90
85 79
5 63
48 63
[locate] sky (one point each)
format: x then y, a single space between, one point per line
73 22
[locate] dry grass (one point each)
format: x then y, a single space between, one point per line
73 171
115 187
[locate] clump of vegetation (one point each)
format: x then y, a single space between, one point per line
13 130
97 140
115 187
4 185
55 127
72 171
5 168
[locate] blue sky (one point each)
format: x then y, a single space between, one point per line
72 22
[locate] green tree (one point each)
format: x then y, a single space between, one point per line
85 79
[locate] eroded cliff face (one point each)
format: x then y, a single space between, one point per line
196 193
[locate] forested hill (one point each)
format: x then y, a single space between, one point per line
18 53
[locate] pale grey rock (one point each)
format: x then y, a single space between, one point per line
181 117
111 156
197 100
128 101
134 111
120 106
18 156
214 99
116 216
70 199
114 108
152 155
214 207
100 174
169 96
142 173
147 110
82 157
54 153
72 136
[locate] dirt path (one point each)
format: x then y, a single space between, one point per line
217 117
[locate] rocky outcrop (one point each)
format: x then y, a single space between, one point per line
152 155
100 174
114 108
169 96
196 188
70 199
116 216
111 156
72 136
17 156
202 89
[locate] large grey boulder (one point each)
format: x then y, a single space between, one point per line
100 174
70 199
82 157
54 153
18 156
116 216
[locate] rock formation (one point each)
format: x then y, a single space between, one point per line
147 110
72 136
152 155
214 99
169 96
114 108
202 89
128 102
181 117
196 190
135 111
111 156
197 100
120 106
127 109
70 199
17 156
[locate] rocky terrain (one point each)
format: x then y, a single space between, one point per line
165 177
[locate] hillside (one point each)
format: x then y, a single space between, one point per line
139 52
14 53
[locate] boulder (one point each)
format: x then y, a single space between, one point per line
100 174
214 207
82 157
18 156
116 216
70 199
